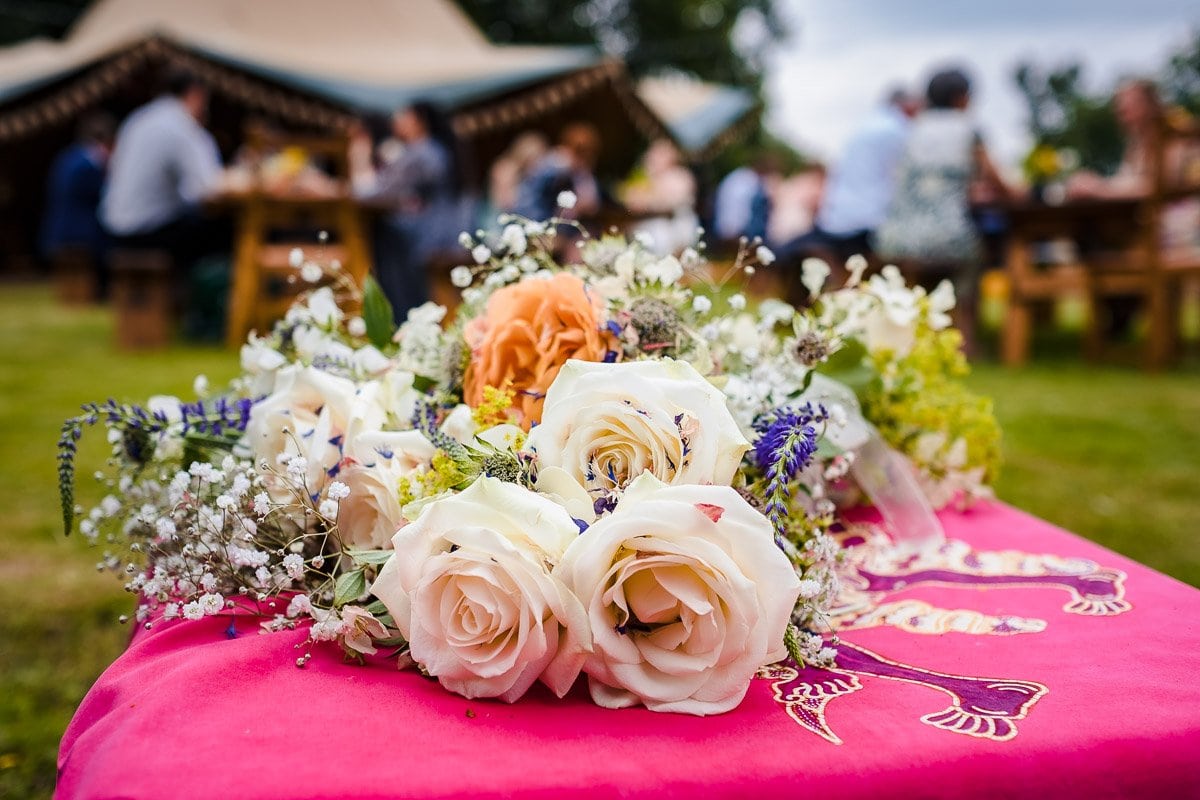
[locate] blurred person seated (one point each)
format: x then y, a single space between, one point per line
929 228
1139 112
73 189
421 189
570 166
742 206
794 205
512 167
662 193
163 166
860 186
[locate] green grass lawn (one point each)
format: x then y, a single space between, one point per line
1107 452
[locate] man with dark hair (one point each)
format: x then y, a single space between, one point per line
164 164
73 193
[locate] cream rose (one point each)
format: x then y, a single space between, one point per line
309 415
373 466
470 587
687 596
606 424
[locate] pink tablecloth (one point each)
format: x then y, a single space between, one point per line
1060 669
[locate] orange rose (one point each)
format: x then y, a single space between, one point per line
527 333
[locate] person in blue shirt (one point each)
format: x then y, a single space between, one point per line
73 191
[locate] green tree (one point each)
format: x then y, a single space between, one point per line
717 40
1063 115
1181 78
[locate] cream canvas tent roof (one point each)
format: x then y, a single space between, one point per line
356 55
701 116
371 54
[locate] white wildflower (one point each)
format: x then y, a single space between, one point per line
813 272
329 509
297 466
192 611
110 506
338 491
465 240
809 588
701 304
856 265
737 302
566 200
262 575
293 564
326 630
208 581
357 326
240 485
211 603
765 255
171 611
311 273
461 277
200 385
299 605
262 504
513 239
481 253
296 258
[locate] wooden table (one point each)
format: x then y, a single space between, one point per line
1109 235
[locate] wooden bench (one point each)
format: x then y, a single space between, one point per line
143 298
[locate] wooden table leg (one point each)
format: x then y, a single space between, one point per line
1014 344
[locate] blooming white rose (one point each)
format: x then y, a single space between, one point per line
687 596
470 587
309 414
373 466
605 424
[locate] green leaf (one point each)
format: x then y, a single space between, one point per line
374 557
377 607
422 383
349 587
395 641
377 313
204 448
850 366
827 449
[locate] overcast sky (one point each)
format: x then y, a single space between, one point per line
843 54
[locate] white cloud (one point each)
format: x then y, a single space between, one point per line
843 56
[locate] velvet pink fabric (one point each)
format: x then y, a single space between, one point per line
187 712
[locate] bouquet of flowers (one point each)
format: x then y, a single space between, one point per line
608 463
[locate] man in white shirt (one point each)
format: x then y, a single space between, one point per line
163 165
859 188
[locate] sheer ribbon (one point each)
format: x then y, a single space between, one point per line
881 472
